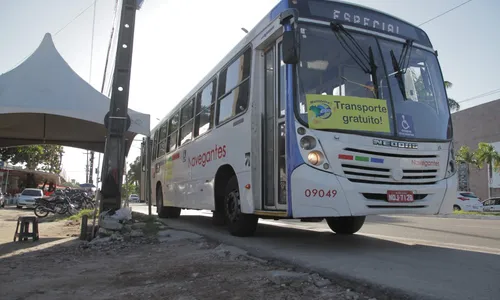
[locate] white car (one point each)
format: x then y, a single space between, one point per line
28 196
492 204
133 198
467 201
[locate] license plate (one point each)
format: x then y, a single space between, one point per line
400 196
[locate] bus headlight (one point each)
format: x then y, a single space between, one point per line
315 157
307 142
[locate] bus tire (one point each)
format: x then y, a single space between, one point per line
345 225
160 209
218 218
169 212
238 223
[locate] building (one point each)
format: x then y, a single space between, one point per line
13 178
477 124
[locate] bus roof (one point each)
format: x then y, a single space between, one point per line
263 23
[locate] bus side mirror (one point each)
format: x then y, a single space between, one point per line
289 46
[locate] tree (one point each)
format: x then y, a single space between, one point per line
467 157
421 90
452 103
134 172
485 153
35 157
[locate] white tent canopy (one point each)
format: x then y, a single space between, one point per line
44 101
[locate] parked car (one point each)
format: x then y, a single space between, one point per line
467 201
491 204
133 198
28 196
2 199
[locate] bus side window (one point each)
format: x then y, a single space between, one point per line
162 143
155 145
186 131
172 133
205 106
234 87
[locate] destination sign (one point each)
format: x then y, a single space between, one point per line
356 16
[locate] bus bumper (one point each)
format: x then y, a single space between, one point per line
313 196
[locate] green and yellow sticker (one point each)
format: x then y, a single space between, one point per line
347 113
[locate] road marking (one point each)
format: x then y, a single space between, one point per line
410 241
402 240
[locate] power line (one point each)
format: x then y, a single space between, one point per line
492 92
449 10
92 42
61 29
76 17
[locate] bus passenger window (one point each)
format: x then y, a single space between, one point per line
162 143
234 87
172 133
186 123
205 105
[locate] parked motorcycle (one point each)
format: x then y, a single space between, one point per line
56 205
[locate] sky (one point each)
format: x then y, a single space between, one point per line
178 42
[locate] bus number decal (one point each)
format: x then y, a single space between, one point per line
320 193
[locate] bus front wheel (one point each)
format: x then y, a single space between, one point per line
346 225
239 224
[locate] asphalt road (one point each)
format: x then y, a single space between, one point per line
424 257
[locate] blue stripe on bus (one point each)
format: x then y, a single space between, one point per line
281 6
294 158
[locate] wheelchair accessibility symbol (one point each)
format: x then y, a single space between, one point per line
405 125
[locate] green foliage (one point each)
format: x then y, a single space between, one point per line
420 87
133 184
128 189
486 154
81 213
71 184
134 171
35 157
452 103
465 155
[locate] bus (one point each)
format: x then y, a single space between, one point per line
324 110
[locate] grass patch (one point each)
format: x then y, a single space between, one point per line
142 217
476 213
151 227
83 212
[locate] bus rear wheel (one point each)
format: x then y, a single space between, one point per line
238 223
345 225
165 211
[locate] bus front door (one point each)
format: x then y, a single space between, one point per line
273 132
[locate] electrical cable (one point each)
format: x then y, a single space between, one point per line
442 14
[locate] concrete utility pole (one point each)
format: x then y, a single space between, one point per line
117 120
91 168
87 168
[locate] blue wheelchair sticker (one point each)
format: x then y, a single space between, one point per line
405 125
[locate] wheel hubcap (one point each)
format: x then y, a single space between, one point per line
233 206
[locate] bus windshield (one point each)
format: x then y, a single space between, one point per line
364 84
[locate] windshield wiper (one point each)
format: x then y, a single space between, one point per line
368 65
401 66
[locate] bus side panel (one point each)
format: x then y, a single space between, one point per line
198 157
317 194
228 144
246 197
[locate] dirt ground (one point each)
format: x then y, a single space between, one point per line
163 264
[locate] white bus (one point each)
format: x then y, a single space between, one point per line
324 110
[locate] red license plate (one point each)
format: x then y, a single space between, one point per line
400 196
